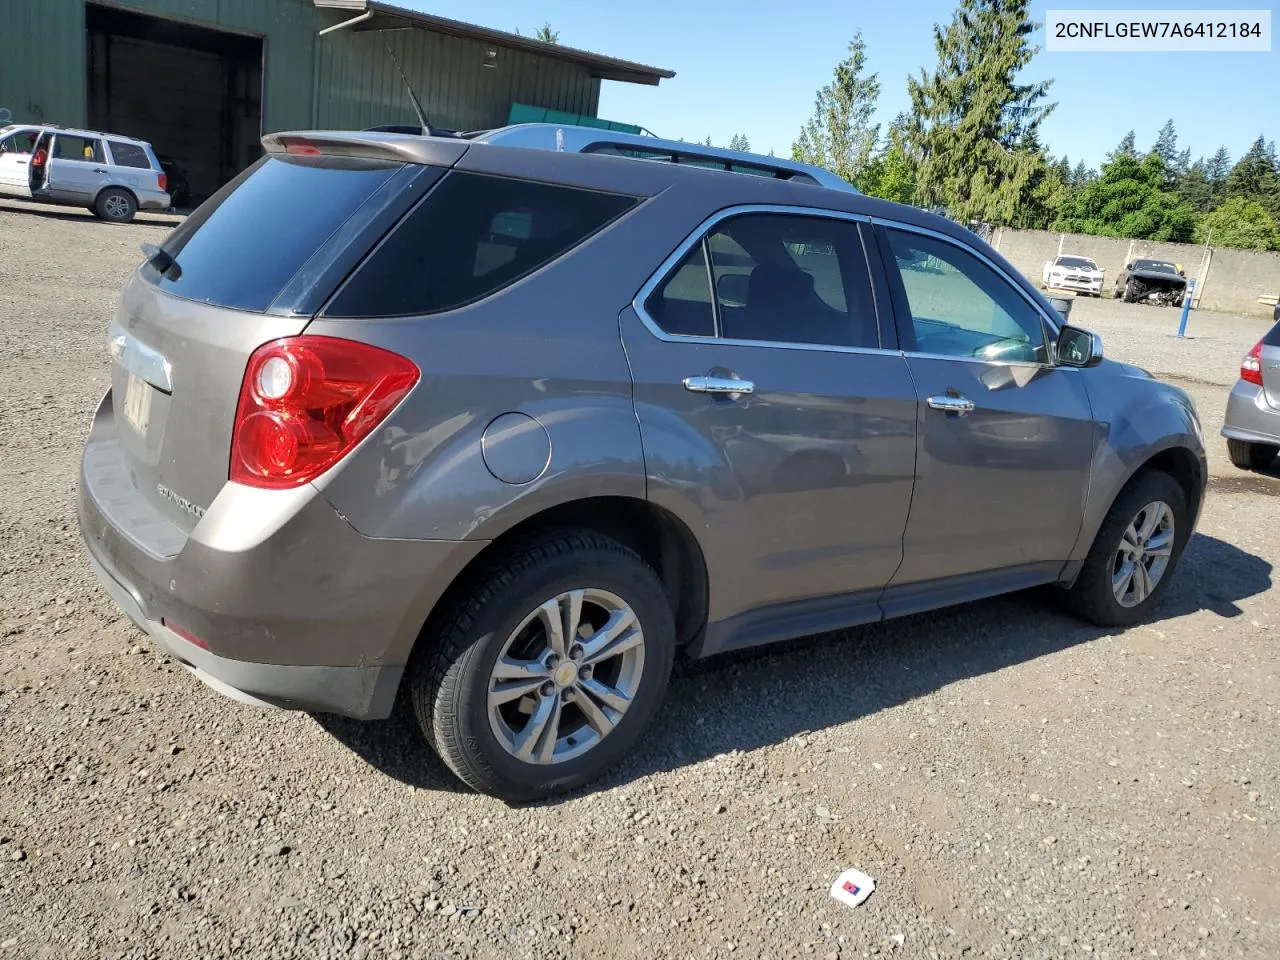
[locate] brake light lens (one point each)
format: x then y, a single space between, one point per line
300 147
1251 365
162 181
306 402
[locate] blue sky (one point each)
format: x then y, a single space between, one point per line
753 66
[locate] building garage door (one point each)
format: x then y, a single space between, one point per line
193 92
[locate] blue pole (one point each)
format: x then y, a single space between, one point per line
1186 307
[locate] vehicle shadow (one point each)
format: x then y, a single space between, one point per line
819 682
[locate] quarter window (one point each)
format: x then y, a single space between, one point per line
960 307
777 278
470 237
129 155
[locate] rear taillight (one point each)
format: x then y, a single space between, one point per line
162 181
1251 365
306 401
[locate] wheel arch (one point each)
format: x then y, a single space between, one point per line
664 541
115 186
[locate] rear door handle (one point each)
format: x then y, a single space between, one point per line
721 385
98 170
950 404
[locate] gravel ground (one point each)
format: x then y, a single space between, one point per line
1019 784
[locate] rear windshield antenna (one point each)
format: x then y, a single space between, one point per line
413 97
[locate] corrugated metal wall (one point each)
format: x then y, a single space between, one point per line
360 86
42 56
42 67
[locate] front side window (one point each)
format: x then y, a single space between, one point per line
471 236
960 307
24 142
774 278
67 147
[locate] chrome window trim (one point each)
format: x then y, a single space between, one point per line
664 269
1054 326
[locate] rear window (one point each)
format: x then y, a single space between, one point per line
243 246
129 155
470 237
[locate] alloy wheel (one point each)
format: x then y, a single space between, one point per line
1146 547
566 676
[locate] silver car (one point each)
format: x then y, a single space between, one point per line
1252 423
506 429
113 176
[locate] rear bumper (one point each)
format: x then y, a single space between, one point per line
152 200
297 608
1249 416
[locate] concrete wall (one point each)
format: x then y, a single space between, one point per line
1226 280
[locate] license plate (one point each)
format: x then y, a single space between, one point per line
137 403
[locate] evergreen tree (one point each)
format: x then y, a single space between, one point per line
1126 147
840 135
707 142
547 35
1195 188
1256 177
1216 170
1082 176
740 142
969 116
1166 145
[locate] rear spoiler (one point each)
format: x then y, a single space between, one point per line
401 148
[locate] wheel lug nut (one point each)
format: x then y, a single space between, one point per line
585 673
566 694
576 652
552 661
547 689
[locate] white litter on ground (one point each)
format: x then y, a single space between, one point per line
852 887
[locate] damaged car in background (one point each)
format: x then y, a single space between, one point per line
1151 281
1078 274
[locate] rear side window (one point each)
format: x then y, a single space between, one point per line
129 155
777 278
68 147
244 245
1272 339
470 237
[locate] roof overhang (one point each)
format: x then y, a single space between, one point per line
379 16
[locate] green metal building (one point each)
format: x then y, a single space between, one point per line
204 79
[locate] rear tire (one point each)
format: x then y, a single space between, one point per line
1097 593
115 205
1251 456
497 640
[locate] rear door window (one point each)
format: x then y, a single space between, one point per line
129 155
254 235
69 147
471 236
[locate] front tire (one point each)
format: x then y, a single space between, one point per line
1251 456
115 205
1134 554
548 668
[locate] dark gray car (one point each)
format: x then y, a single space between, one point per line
508 428
1252 423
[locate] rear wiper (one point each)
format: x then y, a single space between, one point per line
162 260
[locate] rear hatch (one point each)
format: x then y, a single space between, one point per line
1270 360
251 265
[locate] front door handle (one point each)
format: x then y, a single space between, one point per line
950 404
96 170
721 385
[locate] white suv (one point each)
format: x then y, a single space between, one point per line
113 176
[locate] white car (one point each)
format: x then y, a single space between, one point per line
1072 273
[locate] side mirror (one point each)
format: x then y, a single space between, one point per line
1128 266
1078 348
1182 273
